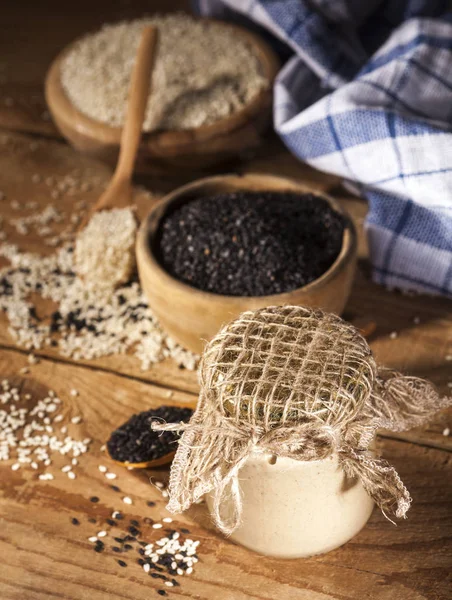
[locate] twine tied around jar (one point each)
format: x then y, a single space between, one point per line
295 382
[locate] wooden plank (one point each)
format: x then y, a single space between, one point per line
419 349
45 556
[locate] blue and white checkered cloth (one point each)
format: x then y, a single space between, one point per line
366 93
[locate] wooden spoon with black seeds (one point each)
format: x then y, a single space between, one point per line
134 445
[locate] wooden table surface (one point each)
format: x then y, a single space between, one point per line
44 556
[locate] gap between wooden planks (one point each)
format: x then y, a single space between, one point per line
430 436
44 556
418 350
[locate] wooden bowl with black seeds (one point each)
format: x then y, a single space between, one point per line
164 150
193 299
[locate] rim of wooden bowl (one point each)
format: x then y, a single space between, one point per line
63 109
150 226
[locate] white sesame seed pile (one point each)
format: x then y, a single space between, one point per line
30 435
204 72
89 322
105 249
180 552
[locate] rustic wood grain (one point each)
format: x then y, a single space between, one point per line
419 349
45 556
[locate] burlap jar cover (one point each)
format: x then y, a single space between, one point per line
293 382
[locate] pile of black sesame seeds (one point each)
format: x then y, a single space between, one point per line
88 322
250 243
135 442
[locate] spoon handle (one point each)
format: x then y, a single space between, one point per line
136 106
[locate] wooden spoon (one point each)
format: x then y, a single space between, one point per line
119 193
149 464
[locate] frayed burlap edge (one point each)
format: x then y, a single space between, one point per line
214 446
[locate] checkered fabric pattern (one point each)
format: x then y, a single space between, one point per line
366 94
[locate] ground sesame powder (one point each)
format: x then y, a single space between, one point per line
88 322
204 72
105 249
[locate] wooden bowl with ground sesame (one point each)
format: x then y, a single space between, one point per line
163 148
192 316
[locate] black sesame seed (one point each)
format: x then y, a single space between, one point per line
183 530
75 521
111 522
115 488
162 592
94 499
122 563
116 549
135 441
134 522
250 243
127 547
119 516
150 503
92 520
134 531
120 540
141 562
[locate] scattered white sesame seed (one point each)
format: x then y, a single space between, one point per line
167 520
115 513
101 534
189 571
66 468
446 431
76 420
127 500
58 419
146 567
102 469
71 475
15 467
110 475
74 392
159 484
180 572
169 583
92 539
157 526
393 335
107 311
103 447
74 461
